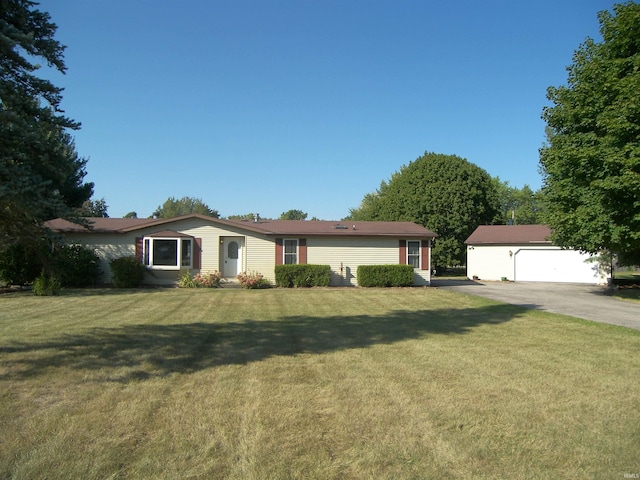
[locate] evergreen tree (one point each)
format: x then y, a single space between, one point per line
41 175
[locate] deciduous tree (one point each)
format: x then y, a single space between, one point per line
173 207
94 208
445 193
591 163
518 206
293 215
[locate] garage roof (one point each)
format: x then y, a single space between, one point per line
510 235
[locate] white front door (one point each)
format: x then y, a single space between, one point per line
231 256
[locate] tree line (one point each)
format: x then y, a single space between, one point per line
590 163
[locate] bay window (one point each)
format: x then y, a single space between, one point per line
168 253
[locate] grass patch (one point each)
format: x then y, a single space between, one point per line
320 383
631 294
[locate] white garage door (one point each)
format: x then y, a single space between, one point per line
553 266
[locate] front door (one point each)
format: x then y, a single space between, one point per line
231 256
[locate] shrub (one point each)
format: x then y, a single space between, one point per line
208 280
73 265
20 264
305 275
253 280
46 285
128 272
385 275
76 266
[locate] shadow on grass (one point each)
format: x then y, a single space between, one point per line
137 352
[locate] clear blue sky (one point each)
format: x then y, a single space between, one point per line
270 105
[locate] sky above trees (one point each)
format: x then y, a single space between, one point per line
267 106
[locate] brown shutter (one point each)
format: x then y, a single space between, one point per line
425 254
139 249
279 254
197 253
403 252
302 250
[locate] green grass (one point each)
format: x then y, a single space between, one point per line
320 383
628 294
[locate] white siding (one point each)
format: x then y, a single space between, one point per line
490 262
543 263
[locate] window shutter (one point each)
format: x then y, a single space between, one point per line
139 248
403 252
302 250
425 254
197 253
279 253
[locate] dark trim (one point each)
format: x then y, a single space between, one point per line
139 249
403 252
302 250
197 253
424 253
279 252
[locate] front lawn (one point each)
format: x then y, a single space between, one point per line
320 383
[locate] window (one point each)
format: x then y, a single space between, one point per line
168 253
290 251
186 251
413 253
232 250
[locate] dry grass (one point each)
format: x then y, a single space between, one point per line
322 383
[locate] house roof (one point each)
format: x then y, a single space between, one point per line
510 235
265 227
99 225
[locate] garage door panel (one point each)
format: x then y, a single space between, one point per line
567 266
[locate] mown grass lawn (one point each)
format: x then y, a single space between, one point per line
320 383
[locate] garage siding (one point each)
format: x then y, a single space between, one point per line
544 263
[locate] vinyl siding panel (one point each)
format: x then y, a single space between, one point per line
261 256
257 250
107 247
494 262
345 255
491 262
257 255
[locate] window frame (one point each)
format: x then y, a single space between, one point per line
417 256
296 255
183 257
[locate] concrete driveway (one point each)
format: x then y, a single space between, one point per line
583 301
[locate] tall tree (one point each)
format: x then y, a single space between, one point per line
94 208
369 207
591 162
293 215
41 175
445 193
173 207
518 206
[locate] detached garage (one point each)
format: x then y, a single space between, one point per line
524 253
